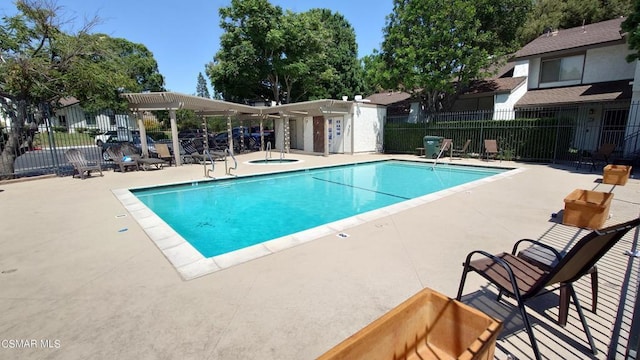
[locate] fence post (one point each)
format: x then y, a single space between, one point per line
52 144
555 142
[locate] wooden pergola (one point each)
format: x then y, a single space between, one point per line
171 101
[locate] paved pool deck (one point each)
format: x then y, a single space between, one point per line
81 279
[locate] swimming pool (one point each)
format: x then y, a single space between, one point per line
244 215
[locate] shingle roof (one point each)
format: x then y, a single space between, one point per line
604 91
590 35
389 97
494 86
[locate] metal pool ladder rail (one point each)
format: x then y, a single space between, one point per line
267 152
235 162
209 172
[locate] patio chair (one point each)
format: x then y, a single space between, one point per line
491 148
80 164
122 160
524 280
447 145
190 152
602 155
460 152
164 153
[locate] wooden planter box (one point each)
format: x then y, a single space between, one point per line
428 325
586 208
616 174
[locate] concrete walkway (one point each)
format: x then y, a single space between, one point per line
78 274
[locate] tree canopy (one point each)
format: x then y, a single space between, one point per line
40 63
552 14
201 89
434 49
266 53
632 26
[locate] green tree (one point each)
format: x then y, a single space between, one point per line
35 58
334 66
632 26
267 53
376 77
240 68
434 49
118 66
551 14
431 48
40 64
201 89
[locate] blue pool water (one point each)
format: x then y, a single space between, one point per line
221 216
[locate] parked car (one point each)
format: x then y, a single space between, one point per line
135 141
105 136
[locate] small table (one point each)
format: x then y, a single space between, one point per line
546 260
420 151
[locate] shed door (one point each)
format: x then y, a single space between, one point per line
318 134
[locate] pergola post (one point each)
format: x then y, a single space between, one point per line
287 136
143 134
229 134
174 137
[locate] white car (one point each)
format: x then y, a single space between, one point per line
105 136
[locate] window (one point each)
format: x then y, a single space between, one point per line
90 120
564 69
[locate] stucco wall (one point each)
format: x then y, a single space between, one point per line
504 103
368 123
607 64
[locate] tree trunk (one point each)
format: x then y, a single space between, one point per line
12 148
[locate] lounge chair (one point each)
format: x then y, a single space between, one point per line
602 155
80 164
461 152
164 153
190 152
491 148
124 161
524 280
446 146
145 163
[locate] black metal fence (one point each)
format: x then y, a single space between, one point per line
541 135
42 142
535 134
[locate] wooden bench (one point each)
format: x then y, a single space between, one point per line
420 151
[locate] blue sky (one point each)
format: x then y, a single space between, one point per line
184 35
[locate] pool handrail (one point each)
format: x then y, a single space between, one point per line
235 162
208 172
267 152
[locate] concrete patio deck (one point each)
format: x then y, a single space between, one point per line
76 272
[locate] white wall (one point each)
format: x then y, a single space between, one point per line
534 73
521 68
504 103
607 64
367 129
308 134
